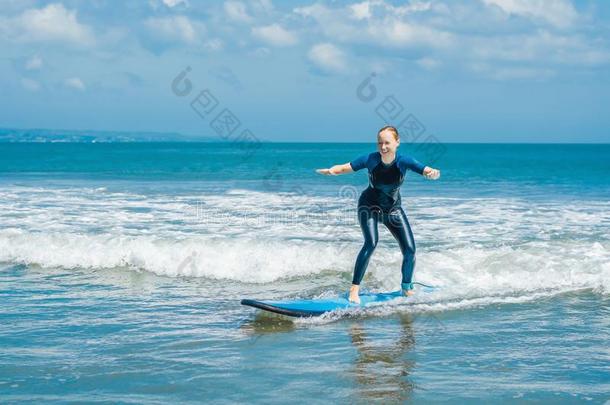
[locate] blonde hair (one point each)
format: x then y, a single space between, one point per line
391 129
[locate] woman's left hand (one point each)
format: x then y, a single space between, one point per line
431 173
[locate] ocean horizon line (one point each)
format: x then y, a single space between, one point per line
50 135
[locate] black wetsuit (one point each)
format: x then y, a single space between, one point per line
381 202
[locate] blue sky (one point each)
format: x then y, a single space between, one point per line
467 71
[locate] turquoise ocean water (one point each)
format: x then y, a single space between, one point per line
122 266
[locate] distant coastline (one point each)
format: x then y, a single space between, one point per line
43 135
39 135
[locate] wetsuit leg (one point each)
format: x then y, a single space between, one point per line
368 223
398 224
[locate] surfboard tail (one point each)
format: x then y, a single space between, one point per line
279 310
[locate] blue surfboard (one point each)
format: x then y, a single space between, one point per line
316 307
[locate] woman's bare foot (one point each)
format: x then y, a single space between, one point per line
408 293
353 294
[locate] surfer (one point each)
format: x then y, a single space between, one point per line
380 201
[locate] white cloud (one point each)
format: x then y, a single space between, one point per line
236 10
540 48
34 63
399 33
174 3
315 10
29 84
412 7
51 23
361 11
274 34
174 29
560 13
334 24
75 83
376 22
328 57
214 44
464 33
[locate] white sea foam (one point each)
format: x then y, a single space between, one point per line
469 247
528 267
430 304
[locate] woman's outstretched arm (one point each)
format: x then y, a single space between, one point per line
408 163
336 169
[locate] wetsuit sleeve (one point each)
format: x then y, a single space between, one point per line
359 163
407 162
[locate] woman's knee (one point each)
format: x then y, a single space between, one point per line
403 232
408 248
370 244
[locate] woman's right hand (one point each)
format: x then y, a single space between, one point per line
336 170
327 172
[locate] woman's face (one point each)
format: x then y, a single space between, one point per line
386 143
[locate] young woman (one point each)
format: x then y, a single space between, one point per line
381 202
